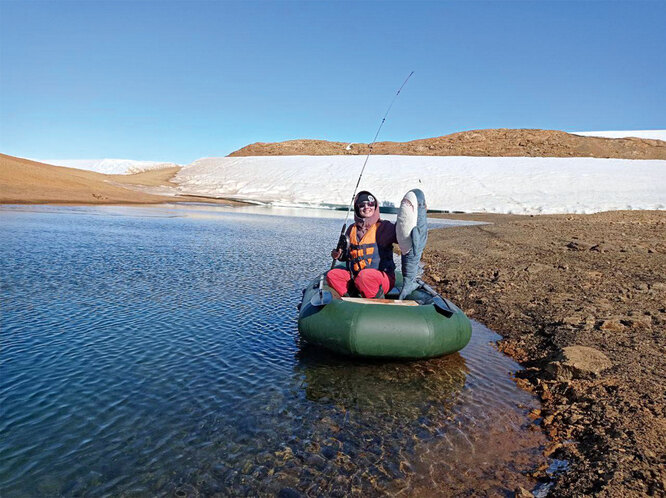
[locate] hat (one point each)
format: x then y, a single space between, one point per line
365 196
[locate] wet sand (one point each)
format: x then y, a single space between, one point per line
29 182
591 288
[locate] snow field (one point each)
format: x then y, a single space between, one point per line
109 166
652 134
522 185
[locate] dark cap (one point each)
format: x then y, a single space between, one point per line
365 196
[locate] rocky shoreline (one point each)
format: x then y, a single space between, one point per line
581 303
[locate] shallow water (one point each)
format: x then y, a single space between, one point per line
155 351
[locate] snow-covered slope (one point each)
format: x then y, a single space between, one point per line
653 134
109 166
492 184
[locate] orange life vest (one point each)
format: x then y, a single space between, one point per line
363 254
366 253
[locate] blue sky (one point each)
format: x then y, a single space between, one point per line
176 81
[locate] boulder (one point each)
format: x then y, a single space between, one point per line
578 362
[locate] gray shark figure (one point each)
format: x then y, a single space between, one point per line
419 237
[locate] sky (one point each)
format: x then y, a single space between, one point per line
177 81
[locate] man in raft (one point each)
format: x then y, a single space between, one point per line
369 255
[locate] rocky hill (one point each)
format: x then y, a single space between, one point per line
493 143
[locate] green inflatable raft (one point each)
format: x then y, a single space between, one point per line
423 325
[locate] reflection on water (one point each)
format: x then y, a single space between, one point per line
152 351
204 210
446 426
380 387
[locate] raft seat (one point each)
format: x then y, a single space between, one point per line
391 302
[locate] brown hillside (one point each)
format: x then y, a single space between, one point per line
495 143
23 181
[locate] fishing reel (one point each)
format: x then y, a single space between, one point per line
343 243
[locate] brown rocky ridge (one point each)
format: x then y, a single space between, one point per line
493 143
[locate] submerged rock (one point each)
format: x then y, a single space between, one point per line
578 362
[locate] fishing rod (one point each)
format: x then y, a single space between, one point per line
342 241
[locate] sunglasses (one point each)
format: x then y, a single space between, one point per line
366 204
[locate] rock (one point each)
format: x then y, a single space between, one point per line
552 449
638 323
572 320
288 493
574 417
578 362
316 461
329 452
521 492
536 268
612 325
579 246
602 247
534 414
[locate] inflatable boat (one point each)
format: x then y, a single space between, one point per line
423 325
412 321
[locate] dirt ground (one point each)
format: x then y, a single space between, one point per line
496 143
557 286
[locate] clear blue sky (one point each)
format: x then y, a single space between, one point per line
176 81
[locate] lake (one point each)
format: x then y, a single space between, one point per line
154 351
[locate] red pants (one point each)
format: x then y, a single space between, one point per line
367 281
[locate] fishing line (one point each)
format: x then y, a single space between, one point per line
351 203
342 241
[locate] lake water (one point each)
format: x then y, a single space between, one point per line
154 351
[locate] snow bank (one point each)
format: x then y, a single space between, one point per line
109 166
486 184
653 134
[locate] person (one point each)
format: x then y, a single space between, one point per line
369 255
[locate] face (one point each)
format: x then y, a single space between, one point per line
366 209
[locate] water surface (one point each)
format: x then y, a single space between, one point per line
152 351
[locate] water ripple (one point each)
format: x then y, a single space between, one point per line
159 355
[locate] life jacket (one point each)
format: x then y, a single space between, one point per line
367 253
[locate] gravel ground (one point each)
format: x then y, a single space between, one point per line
581 303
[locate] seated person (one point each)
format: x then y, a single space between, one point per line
369 256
